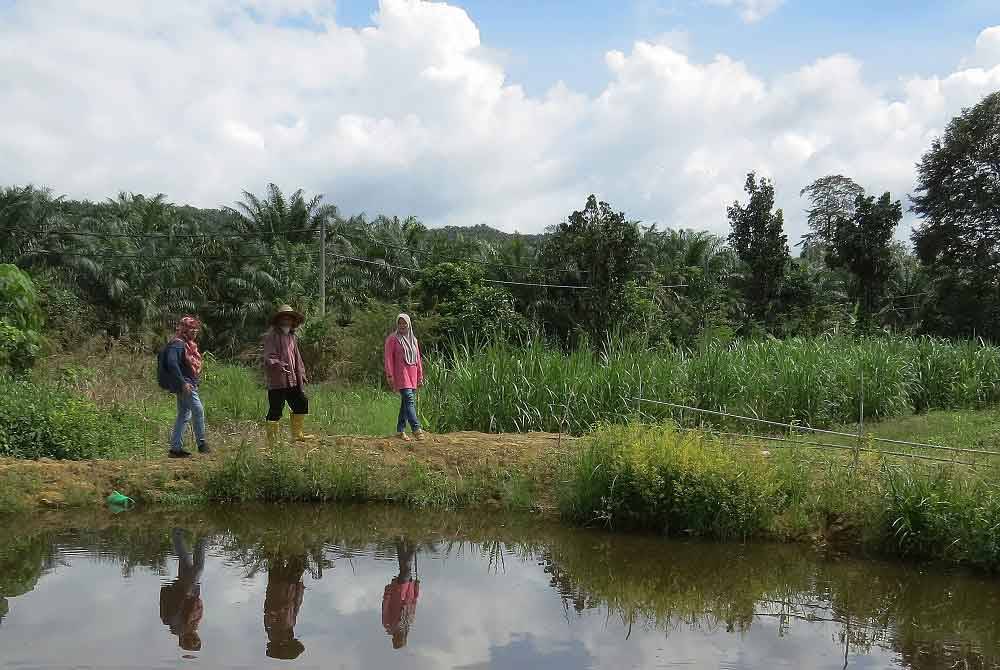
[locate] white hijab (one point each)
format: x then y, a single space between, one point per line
408 341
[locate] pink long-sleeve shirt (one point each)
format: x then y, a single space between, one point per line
401 375
281 353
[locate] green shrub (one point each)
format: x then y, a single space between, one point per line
21 320
321 342
42 421
18 348
943 514
675 482
286 475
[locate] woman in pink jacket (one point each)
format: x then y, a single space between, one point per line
405 373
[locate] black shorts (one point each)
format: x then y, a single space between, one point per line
296 399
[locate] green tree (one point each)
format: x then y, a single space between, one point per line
601 248
908 291
958 240
470 308
831 198
862 243
690 281
124 257
812 299
27 214
759 240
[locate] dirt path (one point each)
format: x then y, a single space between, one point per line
51 483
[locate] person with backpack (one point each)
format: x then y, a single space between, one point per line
285 373
180 373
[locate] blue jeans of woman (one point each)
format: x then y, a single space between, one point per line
407 411
189 408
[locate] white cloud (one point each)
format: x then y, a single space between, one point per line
410 115
750 10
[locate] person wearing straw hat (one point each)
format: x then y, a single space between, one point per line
405 373
285 374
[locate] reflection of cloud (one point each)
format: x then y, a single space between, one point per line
467 617
524 651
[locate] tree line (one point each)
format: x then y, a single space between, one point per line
126 267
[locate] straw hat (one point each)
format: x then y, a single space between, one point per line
286 310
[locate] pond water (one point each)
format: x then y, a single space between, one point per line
375 587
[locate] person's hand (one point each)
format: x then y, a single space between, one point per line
187 388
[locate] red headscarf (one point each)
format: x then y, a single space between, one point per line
185 329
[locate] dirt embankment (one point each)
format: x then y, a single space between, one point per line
51 483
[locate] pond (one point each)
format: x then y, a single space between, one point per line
378 587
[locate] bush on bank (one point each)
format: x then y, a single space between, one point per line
45 421
688 483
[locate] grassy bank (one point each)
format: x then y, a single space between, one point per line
622 476
690 483
817 382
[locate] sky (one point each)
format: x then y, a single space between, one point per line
504 113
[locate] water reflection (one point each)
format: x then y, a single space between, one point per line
507 593
399 600
282 601
23 560
181 608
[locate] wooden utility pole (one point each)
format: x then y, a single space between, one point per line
322 266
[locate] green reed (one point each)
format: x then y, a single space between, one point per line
820 382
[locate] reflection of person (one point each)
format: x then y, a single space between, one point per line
282 601
399 601
405 374
180 601
286 375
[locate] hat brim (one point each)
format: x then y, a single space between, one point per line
298 318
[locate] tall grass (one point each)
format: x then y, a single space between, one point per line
688 483
289 475
819 382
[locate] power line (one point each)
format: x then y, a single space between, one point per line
171 236
158 257
521 283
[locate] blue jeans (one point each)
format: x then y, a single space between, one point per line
407 411
189 408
